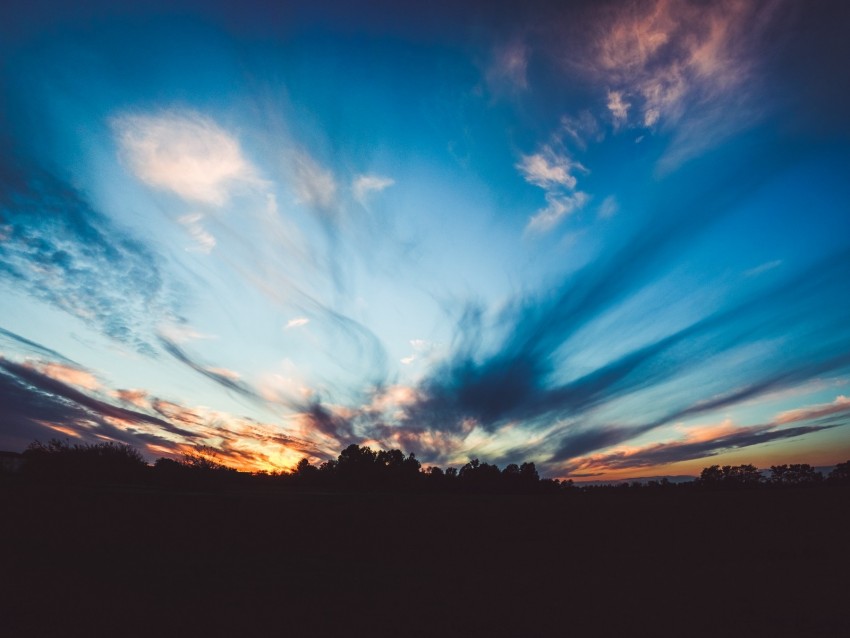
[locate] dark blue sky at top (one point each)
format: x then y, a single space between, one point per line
606 237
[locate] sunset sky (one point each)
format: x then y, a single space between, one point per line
612 238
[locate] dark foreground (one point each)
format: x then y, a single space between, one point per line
120 562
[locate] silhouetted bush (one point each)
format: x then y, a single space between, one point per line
84 462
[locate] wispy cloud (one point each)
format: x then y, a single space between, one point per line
296 322
558 206
62 251
364 185
314 185
841 405
618 107
554 172
225 378
676 62
185 153
549 169
763 268
608 208
204 241
507 70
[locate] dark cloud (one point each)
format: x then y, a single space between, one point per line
323 420
223 380
60 250
57 389
31 347
515 379
30 403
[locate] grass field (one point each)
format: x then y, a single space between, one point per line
122 562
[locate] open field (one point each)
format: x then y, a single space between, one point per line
134 562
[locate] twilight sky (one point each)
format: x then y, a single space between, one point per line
612 238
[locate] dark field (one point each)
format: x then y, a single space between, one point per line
113 562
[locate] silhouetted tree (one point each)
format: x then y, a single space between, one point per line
840 475
795 474
305 473
730 476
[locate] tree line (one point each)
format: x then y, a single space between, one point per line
361 468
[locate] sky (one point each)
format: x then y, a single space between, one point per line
611 238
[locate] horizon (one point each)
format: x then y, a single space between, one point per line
611 239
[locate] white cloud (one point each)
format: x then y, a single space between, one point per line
618 107
224 372
559 205
297 322
608 208
553 172
204 241
421 345
763 268
314 185
182 333
548 169
365 184
185 153
408 360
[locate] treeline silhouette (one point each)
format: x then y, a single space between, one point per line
364 469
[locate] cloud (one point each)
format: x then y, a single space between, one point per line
36 402
181 332
71 375
697 446
521 365
553 172
31 347
683 63
763 268
839 406
204 241
83 403
225 378
363 185
139 398
61 251
558 207
548 169
297 322
608 208
314 185
185 153
618 107
580 130
508 67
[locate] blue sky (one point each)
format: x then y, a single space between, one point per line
611 238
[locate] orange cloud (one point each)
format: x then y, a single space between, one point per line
840 405
67 374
